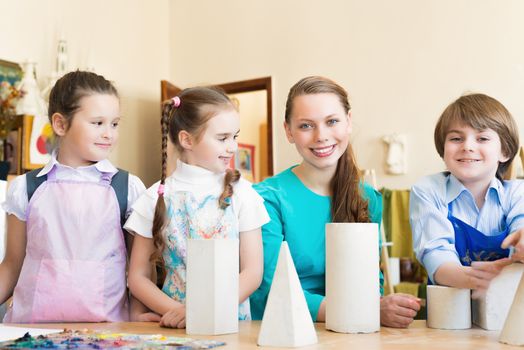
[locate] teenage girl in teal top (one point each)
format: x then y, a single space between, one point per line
325 187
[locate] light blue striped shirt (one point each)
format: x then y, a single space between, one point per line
433 234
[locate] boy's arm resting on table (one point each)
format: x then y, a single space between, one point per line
140 278
433 233
14 256
251 263
452 274
477 277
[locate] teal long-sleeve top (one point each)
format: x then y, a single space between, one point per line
298 216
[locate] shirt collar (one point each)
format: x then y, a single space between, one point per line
194 174
103 166
455 188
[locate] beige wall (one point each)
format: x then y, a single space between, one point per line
253 118
401 61
127 41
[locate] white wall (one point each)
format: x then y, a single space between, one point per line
127 41
401 61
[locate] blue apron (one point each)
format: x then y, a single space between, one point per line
473 245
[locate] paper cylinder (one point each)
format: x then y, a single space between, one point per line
352 277
212 286
513 330
448 308
394 270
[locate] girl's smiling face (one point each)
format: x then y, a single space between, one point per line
216 146
92 133
320 128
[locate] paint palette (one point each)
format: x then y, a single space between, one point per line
99 340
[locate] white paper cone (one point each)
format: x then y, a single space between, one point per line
448 308
212 286
286 321
513 331
352 278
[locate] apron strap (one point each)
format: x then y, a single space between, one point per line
33 181
120 183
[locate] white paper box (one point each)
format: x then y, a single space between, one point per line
352 278
448 308
490 311
286 321
513 330
212 286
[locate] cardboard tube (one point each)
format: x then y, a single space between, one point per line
352 278
448 308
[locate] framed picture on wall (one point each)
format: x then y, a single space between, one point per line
10 72
245 161
36 150
10 124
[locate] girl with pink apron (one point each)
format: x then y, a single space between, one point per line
75 262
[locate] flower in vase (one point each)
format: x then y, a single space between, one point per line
9 97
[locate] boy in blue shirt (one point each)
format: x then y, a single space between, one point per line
462 218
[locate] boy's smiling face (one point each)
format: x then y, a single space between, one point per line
472 156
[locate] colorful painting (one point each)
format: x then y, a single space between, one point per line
10 72
100 340
245 161
38 141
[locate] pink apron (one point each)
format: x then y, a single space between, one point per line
75 264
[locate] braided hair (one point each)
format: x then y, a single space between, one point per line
189 111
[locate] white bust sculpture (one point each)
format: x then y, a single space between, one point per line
396 154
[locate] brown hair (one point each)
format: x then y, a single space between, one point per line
347 201
480 112
65 96
195 107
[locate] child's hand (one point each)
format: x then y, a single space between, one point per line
482 272
174 318
146 317
515 239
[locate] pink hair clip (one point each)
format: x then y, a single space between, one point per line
175 101
160 189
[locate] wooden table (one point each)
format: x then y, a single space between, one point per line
417 336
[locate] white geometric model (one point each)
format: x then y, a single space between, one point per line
396 154
352 282
491 310
212 286
448 308
513 330
286 321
